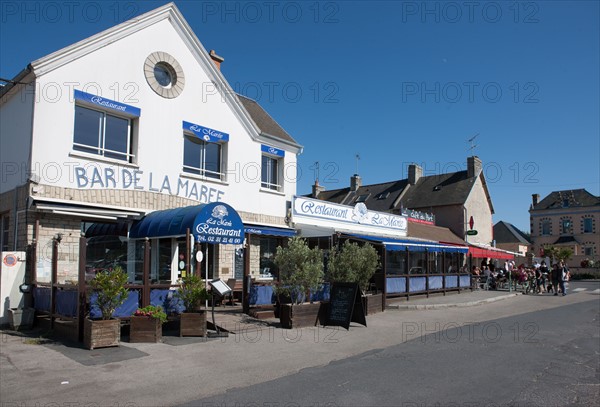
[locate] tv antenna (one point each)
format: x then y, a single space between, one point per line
472 143
316 167
357 158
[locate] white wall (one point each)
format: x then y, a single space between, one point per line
16 113
116 72
477 206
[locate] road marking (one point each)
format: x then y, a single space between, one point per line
579 289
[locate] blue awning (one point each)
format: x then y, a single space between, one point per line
269 231
413 245
216 223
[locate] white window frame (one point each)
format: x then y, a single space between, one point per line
202 171
268 184
100 149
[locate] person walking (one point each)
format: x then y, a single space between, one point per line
544 271
563 276
556 272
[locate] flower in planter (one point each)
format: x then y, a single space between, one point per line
152 311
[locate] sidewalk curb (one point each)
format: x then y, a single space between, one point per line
444 306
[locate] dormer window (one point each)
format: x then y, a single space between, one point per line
565 203
382 195
362 198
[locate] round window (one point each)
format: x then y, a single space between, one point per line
164 74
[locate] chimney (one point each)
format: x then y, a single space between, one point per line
535 198
216 59
355 182
317 189
414 173
473 166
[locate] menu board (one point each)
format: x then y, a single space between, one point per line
341 304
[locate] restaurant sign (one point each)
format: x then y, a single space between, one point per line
419 217
358 217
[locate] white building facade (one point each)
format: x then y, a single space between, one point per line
136 119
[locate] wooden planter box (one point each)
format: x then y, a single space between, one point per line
373 303
192 324
301 315
145 329
101 333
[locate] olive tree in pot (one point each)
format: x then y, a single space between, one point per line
109 286
192 293
354 263
300 270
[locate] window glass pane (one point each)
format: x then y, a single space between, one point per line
417 262
212 163
546 228
4 233
587 225
269 172
265 171
105 252
192 148
396 262
274 173
88 127
116 136
165 257
268 247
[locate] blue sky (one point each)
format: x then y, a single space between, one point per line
395 82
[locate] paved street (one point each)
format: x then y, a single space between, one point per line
523 350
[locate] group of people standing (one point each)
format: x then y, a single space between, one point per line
536 279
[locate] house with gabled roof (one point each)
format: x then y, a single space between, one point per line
566 219
454 199
134 132
511 238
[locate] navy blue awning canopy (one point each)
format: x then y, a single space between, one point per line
413 245
216 223
269 231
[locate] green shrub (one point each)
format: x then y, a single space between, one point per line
353 263
110 286
300 268
191 292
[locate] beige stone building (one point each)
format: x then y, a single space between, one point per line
568 219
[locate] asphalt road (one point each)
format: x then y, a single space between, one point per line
543 358
522 350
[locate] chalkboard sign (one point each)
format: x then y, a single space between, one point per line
341 304
239 265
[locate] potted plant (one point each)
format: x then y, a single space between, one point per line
146 324
110 293
353 263
300 270
192 293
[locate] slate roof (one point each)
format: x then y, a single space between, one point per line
378 197
429 191
577 198
439 190
431 232
566 240
505 232
267 125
